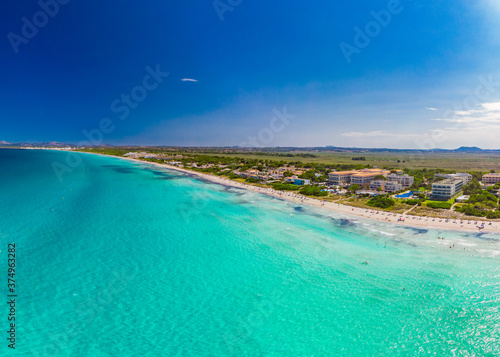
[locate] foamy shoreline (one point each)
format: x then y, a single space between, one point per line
381 216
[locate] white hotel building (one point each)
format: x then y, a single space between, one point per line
466 178
446 189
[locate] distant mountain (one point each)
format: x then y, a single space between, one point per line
55 143
44 144
468 149
300 149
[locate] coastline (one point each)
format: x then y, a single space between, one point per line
407 220
371 214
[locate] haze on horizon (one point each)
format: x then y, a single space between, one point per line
391 74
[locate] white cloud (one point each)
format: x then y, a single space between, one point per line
476 127
189 80
485 113
431 108
491 106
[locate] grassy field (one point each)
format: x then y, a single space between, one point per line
410 160
459 161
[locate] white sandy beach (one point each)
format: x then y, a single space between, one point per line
389 217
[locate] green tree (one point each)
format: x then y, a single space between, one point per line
252 180
309 175
473 187
439 205
354 188
381 202
312 191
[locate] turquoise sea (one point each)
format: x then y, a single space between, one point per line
126 259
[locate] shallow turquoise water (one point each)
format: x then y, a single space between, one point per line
125 259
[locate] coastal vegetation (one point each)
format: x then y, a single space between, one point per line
438 205
285 187
481 202
313 191
381 202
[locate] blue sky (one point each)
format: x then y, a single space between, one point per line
426 77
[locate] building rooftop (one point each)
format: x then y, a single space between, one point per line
366 174
343 172
357 172
449 181
399 175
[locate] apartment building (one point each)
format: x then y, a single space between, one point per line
359 177
363 178
404 180
491 179
446 189
341 178
387 186
465 177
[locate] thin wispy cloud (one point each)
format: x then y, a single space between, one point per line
189 80
483 114
478 126
431 108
